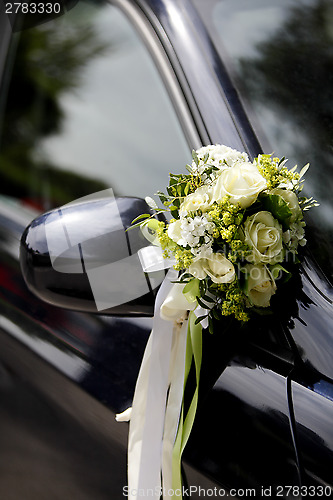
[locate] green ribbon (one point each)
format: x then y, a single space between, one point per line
193 352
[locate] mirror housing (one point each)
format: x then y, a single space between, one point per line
81 257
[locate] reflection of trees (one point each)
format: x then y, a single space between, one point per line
48 60
294 71
292 75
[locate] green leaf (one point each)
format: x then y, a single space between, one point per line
140 224
211 169
202 304
149 231
191 290
208 299
202 287
277 206
275 270
198 320
162 196
216 315
281 162
187 188
304 170
173 180
185 277
142 216
210 325
195 157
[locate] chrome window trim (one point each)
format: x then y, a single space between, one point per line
156 49
205 84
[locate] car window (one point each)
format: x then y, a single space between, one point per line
82 109
279 56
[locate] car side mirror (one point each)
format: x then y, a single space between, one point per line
81 257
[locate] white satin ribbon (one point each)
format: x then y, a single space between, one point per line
150 397
151 259
173 409
159 389
148 409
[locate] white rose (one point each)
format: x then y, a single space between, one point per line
214 265
242 182
292 201
260 285
175 231
199 200
263 234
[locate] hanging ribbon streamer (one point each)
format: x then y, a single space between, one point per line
159 429
148 410
173 408
193 351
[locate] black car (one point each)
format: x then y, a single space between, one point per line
98 95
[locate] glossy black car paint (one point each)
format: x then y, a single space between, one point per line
254 429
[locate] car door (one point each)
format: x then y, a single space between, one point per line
278 56
92 125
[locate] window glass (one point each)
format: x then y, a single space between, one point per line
280 57
84 109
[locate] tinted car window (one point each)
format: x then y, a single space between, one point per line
85 109
279 56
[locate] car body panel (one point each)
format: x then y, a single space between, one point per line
244 400
83 367
313 407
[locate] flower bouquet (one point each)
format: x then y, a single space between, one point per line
234 226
